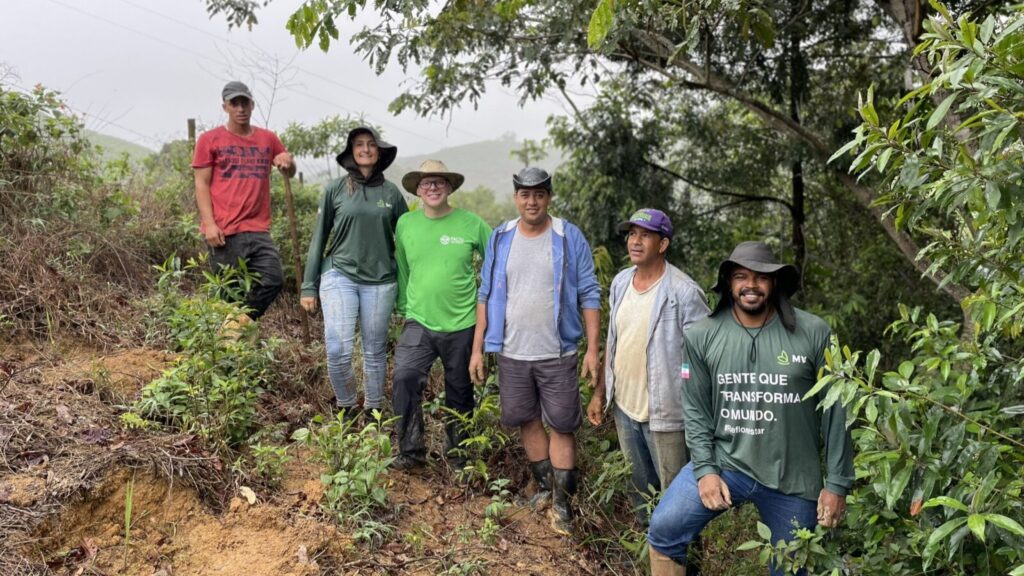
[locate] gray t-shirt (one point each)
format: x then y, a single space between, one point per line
530 331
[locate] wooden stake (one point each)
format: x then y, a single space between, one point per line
293 228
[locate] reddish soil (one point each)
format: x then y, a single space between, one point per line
68 468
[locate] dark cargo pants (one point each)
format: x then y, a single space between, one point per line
261 256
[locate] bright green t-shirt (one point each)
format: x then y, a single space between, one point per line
436 277
744 407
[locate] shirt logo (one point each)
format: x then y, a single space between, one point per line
383 204
684 371
784 359
446 240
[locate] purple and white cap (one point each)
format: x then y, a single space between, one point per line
651 219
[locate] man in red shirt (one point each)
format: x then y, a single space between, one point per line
232 171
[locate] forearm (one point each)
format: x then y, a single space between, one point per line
481 327
592 327
204 200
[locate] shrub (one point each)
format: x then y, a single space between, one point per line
355 462
213 388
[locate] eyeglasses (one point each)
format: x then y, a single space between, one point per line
435 184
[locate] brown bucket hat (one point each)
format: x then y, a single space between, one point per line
431 168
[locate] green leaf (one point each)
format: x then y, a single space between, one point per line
1008 524
906 369
947 502
764 531
748 545
939 535
898 485
817 387
1018 571
976 522
600 23
871 411
940 112
883 160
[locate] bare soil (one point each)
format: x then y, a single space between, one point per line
69 472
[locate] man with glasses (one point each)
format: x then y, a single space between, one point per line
434 249
537 292
232 175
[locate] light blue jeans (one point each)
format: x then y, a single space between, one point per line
680 515
345 302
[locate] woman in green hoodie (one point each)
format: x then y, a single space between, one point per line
351 265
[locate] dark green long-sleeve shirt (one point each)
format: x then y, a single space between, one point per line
749 416
361 230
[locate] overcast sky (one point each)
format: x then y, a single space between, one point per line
137 69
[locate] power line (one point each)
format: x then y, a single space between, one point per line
226 41
299 68
106 122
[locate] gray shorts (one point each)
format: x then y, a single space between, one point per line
544 389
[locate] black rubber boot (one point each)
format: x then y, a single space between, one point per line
453 449
564 488
542 474
412 450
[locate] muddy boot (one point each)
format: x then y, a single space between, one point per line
662 565
412 449
542 474
453 449
563 489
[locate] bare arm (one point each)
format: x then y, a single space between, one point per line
591 360
477 367
213 235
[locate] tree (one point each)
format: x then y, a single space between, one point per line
738 52
940 439
323 140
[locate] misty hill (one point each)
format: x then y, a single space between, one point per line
488 163
113 146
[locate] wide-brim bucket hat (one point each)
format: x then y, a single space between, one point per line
757 256
431 168
388 152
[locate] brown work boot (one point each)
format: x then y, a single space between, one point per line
662 565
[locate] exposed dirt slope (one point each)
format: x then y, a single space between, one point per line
69 471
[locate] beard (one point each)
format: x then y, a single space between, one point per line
752 309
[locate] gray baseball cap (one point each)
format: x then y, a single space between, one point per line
235 89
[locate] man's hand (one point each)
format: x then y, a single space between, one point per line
284 162
213 234
477 368
595 409
308 303
713 492
591 366
831 508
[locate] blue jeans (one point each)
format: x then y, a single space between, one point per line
637 443
344 302
680 516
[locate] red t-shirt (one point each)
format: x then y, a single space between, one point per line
240 185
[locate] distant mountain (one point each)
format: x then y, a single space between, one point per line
113 147
488 164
